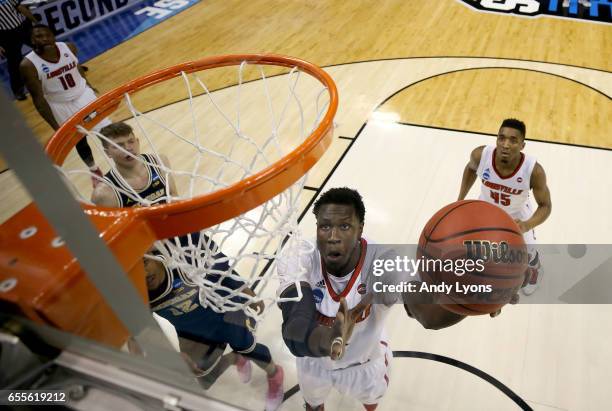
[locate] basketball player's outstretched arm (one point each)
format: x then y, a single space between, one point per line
433 316
303 335
469 172
541 193
422 307
34 86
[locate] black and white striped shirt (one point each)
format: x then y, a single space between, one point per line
10 18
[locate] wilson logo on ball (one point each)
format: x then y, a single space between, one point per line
495 252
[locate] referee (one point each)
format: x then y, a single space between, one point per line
15 26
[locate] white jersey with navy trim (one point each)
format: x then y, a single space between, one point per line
510 193
364 344
61 81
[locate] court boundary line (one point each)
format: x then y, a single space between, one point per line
470 57
402 123
331 172
406 58
469 368
449 361
489 68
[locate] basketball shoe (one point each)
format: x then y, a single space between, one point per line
275 395
533 276
244 368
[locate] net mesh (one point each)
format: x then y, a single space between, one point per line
201 144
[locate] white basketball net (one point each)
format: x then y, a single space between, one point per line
211 142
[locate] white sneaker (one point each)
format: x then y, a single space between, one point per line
585 3
565 3
533 283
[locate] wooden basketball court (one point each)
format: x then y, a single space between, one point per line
421 84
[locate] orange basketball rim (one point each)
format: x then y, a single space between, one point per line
53 288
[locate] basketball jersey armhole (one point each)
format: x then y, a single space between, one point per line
486 153
115 182
157 166
532 163
66 50
35 60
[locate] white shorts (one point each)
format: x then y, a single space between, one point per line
62 111
365 382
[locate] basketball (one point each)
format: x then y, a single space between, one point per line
474 257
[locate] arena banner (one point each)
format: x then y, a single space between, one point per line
99 25
65 16
130 21
599 11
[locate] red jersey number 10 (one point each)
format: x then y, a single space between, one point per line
67 81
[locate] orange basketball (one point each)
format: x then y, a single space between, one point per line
474 256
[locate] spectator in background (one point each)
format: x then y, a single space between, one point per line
15 27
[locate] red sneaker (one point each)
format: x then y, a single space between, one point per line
243 366
275 395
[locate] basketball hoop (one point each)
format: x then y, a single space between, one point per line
239 181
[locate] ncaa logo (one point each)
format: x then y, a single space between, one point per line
65 54
520 179
317 293
44 68
361 289
486 174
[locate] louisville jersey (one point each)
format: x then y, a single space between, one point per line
511 193
61 81
327 291
156 190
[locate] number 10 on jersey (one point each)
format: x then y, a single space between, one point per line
67 81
